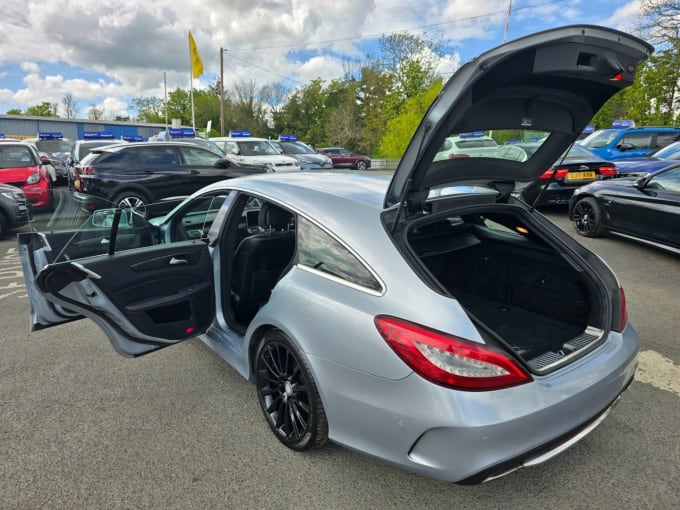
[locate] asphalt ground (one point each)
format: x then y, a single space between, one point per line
81 427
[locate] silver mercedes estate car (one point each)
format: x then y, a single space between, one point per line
429 318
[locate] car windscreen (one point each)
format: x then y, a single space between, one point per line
295 148
600 138
16 156
53 146
258 148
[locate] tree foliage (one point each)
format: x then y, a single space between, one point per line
44 109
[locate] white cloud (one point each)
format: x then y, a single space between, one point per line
117 50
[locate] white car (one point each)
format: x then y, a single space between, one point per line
474 144
252 151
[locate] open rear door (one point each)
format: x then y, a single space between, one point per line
143 297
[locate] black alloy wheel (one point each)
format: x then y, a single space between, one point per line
131 200
587 217
288 395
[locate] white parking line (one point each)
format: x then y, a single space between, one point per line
10 269
658 371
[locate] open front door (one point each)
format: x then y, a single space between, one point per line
145 297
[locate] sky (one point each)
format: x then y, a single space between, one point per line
105 53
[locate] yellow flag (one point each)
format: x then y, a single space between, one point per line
196 62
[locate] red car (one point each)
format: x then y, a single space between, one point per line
344 158
21 166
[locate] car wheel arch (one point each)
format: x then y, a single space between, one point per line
129 188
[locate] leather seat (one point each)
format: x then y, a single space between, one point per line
259 261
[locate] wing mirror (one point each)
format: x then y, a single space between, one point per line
625 146
105 218
222 163
641 183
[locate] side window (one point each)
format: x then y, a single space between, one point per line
320 251
639 140
667 181
198 156
156 156
197 218
663 139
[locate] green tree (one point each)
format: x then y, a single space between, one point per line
400 129
149 109
44 109
14 111
179 106
305 113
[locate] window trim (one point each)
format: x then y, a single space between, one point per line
368 290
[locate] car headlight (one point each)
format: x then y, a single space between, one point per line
33 178
13 195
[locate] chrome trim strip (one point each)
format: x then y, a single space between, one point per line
366 290
539 459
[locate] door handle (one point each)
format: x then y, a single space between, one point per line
194 172
175 261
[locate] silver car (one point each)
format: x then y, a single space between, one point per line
429 319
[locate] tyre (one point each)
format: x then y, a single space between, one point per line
4 225
288 395
132 200
587 217
361 165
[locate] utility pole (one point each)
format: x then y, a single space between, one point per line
507 22
221 91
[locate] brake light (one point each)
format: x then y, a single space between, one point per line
620 324
560 173
87 170
608 171
447 360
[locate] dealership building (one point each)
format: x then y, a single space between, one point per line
22 126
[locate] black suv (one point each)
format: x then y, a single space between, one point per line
15 211
137 174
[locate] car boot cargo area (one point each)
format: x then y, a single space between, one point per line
512 282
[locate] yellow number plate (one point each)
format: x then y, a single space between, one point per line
580 176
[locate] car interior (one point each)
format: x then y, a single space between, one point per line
264 249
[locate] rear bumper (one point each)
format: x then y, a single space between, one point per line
470 437
90 203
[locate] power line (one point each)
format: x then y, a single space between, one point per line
262 68
380 34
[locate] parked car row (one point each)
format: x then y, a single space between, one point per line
449 328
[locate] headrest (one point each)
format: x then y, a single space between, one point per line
273 216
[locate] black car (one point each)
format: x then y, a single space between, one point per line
134 175
577 167
15 210
645 209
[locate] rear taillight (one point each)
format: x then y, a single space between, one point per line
608 171
560 173
86 170
620 312
448 360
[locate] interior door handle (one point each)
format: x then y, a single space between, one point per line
174 261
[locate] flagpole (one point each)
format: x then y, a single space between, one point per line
507 22
165 95
191 80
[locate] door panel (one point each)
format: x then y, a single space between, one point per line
143 299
